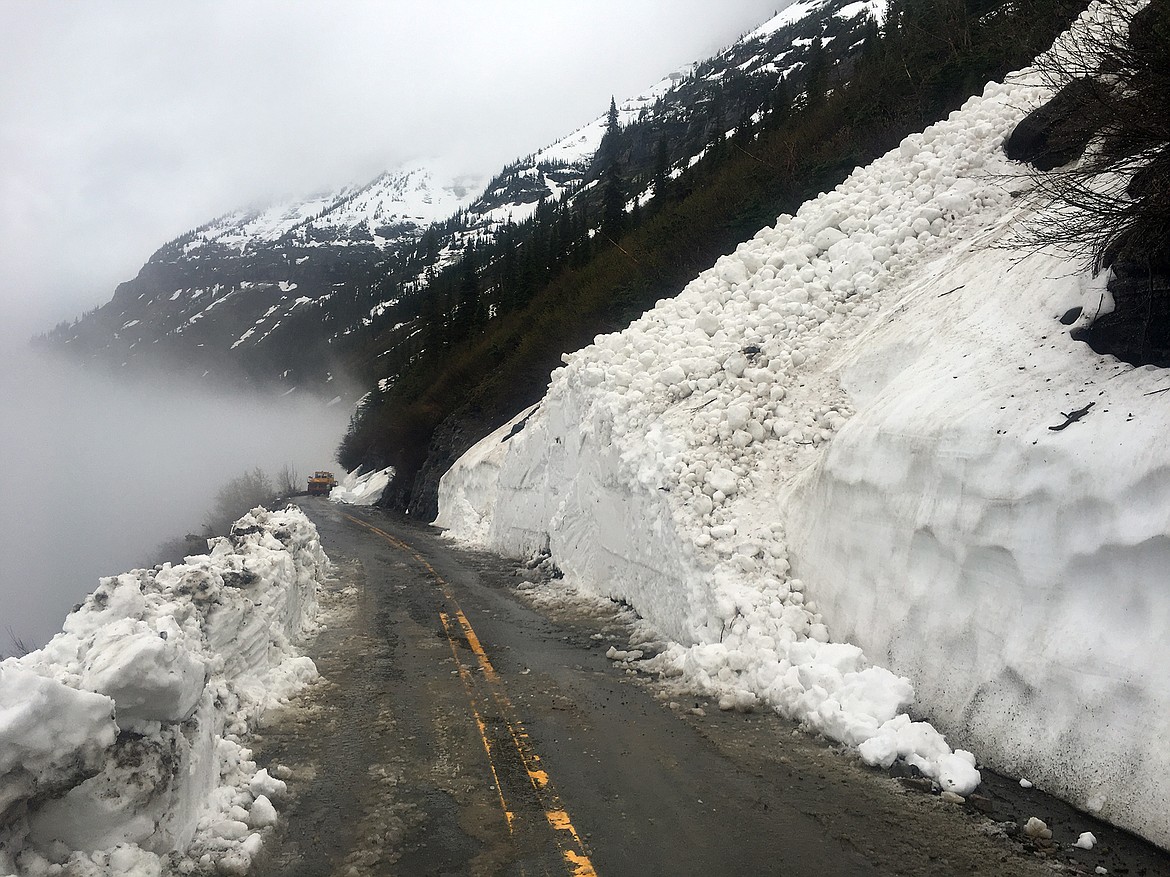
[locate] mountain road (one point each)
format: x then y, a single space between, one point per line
456 729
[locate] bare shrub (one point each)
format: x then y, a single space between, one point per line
288 482
1112 79
16 647
236 498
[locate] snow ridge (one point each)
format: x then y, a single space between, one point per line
398 202
141 704
693 420
804 8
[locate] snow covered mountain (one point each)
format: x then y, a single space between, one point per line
292 293
211 298
863 466
393 207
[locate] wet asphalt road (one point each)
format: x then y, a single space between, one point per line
459 731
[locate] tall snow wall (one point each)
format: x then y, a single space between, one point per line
844 428
1016 571
120 738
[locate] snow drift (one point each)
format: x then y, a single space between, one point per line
121 739
846 426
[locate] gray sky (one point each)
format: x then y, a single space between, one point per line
124 124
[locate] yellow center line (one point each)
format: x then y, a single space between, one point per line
568 840
465 675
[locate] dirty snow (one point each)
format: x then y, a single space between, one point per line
123 740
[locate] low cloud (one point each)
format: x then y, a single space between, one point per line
98 474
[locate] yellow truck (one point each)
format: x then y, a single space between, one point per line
320 483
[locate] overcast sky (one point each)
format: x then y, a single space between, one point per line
124 124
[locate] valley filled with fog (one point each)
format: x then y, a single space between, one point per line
99 473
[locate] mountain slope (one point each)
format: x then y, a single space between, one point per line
218 298
460 382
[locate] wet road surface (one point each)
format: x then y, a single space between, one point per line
457 731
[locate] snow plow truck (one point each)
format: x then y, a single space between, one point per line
320 483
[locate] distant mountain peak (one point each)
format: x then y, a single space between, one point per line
380 211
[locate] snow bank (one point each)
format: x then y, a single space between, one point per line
357 488
1016 573
120 740
850 415
467 499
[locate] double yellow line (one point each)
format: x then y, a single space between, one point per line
458 628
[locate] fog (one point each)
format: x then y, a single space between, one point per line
98 474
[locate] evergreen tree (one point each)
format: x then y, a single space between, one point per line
428 246
892 26
508 268
871 39
745 128
613 205
564 235
610 148
816 74
433 316
467 315
661 169
582 242
781 104
718 127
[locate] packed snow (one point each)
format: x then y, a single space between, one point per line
123 740
362 488
838 446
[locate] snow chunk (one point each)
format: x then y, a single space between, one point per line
52 736
358 488
264 785
722 480
150 677
262 814
957 773
1086 841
